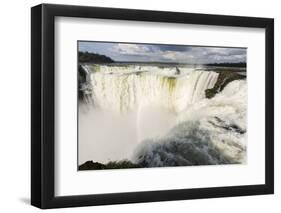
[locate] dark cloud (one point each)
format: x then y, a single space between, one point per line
175 48
165 52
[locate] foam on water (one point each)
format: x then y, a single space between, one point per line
128 88
166 115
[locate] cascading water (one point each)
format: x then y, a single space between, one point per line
123 90
159 116
213 131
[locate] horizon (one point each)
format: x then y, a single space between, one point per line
164 53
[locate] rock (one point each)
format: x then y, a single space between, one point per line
90 165
225 77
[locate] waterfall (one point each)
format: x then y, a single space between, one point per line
211 132
159 116
126 88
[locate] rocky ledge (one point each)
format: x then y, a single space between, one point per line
225 77
90 165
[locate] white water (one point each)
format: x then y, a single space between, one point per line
122 89
200 131
138 110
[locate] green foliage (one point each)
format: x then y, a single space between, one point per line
86 57
239 64
224 78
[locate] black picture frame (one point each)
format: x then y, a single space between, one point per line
43 105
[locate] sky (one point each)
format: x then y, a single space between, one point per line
164 52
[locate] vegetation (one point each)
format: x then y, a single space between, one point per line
239 64
87 57
82 75
81 80
90 165
224 78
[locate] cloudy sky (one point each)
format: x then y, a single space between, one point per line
164 53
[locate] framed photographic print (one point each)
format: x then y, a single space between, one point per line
139 106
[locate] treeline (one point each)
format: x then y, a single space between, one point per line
87 57
239 64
